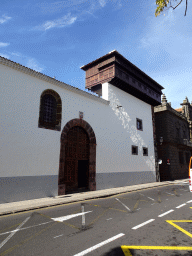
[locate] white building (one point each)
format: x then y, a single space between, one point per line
57 139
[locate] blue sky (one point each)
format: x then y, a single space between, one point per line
56 38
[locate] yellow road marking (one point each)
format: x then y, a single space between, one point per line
155 247
26 240
136 205
1 231
91 223
100 215
117 210
108 208
181 229
125 248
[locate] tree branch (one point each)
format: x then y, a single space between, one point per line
177 5
186 8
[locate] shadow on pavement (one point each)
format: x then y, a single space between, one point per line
117 251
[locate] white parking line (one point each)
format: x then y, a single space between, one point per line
142 224
123 204
151 198
180 206
25 228
189 201
99 245
13 233
161 215
57 236
61 219
109 219
169 193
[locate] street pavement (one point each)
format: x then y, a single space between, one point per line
13 207
153 221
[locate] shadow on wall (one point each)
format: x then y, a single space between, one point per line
125 119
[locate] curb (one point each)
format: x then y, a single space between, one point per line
88 196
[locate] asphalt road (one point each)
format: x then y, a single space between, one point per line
156 221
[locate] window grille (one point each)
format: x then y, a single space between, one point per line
49 108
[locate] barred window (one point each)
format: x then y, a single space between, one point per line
49 108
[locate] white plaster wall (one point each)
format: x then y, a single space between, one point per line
122 124
26 150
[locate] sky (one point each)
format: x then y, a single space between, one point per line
56 38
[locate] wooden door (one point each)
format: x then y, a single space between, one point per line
77 148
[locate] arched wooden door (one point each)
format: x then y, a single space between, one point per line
76 171
77 164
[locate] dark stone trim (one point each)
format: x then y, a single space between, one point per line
92 154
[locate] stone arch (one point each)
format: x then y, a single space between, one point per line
92 154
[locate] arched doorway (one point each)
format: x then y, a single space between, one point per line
77 166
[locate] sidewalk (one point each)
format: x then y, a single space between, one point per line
21 206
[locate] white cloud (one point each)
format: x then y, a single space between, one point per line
16 54
60 5
4 55
4 19
32 63
63 22
4 44
102 2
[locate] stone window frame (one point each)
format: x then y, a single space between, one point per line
134 148
145 153
139 121
55 124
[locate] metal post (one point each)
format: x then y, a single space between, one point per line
83 215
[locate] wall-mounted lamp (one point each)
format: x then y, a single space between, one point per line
119 106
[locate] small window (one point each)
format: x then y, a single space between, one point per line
134 150
181 160
187 155
139 124
145 151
